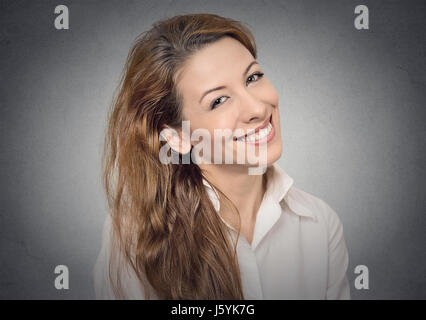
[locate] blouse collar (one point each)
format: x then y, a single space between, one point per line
279 188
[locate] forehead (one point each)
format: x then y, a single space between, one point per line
213 65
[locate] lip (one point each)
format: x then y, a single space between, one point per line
265 140
250 131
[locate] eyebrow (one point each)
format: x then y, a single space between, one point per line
223 87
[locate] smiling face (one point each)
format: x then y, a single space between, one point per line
223 87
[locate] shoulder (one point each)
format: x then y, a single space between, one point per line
309 205
330 227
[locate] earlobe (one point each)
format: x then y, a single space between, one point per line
186 147
178 142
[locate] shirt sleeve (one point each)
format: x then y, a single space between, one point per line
102 285
103 289
338 258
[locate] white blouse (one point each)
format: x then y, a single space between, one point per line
298 249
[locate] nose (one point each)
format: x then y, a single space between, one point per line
251 108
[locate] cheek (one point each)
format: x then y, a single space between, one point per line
217 121
268 92
208 125
272 95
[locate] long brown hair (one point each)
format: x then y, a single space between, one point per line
163 221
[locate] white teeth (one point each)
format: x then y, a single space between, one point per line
261 134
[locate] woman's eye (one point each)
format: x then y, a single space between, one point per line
217 102
255 77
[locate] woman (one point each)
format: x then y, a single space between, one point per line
207 229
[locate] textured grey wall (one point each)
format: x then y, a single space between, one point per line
352 112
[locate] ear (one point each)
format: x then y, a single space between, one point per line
177 140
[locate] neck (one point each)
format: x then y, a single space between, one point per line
244 190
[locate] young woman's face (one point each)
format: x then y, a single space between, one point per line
244 101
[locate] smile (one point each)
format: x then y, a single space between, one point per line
262 135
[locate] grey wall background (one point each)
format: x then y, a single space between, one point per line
352 112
